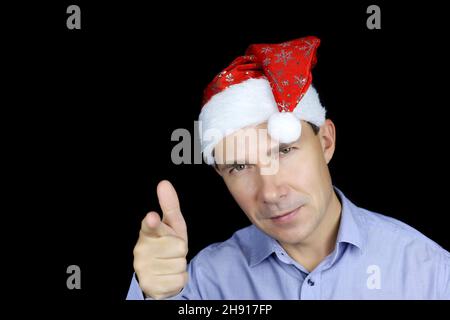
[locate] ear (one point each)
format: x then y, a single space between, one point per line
216 168
327 136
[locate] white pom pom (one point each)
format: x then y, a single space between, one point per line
284 127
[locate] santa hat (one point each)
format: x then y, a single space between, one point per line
271 82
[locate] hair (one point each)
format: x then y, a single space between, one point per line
314 127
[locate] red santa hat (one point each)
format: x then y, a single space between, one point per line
271 82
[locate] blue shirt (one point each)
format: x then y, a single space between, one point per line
375 257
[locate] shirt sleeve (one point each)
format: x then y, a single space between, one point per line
135 292
445 278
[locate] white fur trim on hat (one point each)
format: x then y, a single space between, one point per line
245 104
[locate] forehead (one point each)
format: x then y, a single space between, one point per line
253 143
241 144
253 140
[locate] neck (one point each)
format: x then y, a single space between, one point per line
322 241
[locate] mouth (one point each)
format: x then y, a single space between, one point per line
286 217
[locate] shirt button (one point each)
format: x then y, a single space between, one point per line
310 282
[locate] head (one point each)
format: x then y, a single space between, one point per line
290 203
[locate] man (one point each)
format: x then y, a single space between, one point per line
307 240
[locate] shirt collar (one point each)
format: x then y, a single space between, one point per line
352 228
258 246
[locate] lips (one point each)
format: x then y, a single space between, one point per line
287 216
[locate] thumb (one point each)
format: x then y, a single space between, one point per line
170 206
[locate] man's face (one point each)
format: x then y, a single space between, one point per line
289 203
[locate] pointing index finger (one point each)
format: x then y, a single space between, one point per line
170 206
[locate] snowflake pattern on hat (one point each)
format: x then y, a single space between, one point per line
287 66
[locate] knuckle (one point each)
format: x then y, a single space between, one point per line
149 290
144 283
181 279
180 247
136 266
145 246
178 280
137 251
143 264
139 268
182 265
176 284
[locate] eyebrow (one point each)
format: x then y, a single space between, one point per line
280 146
228 165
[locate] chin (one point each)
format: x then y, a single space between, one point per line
290 237
294 233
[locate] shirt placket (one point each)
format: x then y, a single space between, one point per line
311 286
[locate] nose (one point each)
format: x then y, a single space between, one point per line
272 191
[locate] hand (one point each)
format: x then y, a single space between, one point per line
160 252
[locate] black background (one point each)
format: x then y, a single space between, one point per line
92 111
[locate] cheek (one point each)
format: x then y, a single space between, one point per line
303 171
308 174
243 192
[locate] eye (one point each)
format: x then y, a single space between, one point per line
285 150
238 167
